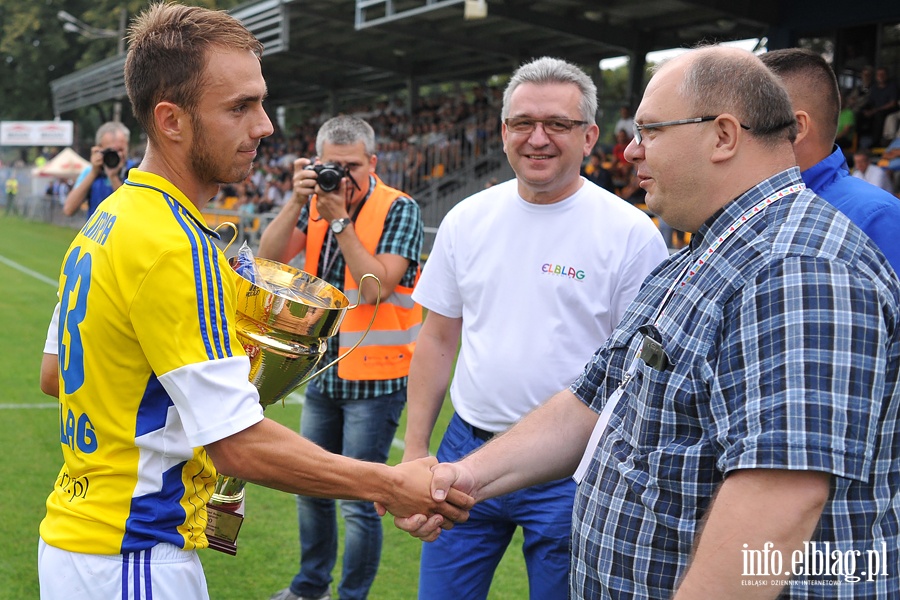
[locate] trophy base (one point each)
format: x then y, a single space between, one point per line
223 525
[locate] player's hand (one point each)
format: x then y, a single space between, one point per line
415 499
448 482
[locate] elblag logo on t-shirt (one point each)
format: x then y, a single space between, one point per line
563 271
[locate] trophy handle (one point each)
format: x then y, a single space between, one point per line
233 237
360 340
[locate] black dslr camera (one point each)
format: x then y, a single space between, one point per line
328 175
111 158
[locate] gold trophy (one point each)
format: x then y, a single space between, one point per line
283 325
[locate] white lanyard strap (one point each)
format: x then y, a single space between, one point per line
603 421
752 212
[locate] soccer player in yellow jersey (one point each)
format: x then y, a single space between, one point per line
153 388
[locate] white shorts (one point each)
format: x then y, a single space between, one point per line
164 572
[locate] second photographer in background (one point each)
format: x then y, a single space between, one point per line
108 169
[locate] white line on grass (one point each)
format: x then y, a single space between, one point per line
294 398
27 271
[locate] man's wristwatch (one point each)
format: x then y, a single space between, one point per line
338 225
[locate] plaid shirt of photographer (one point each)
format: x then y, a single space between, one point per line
403 236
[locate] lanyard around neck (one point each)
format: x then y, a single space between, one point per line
686 274
332 248
690 271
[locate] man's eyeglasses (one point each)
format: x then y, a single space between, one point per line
636 128
638 138
555 126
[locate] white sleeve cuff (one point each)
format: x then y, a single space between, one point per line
51 344
214 398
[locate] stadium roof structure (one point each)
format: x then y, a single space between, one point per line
365 46
340 52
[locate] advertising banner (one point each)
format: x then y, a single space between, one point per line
36 133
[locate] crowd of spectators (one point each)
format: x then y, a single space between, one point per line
421 146
611 171
414 147
869 127
874 102
444 130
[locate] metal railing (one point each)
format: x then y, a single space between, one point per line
433 154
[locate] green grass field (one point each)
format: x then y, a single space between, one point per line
30 254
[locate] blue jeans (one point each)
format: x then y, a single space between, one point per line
362 429
462 561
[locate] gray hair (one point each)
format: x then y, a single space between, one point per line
719 82
344 130
111 127
547 70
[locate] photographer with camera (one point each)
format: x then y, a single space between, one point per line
350 223
108 169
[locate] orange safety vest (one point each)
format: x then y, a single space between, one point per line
387 350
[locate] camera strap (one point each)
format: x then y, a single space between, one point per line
372 183
331 253
332 248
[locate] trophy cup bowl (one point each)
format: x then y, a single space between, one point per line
283 326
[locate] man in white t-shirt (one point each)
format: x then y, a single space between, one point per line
864 169
531 275
625 122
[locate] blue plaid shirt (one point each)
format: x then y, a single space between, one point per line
786 352
403 235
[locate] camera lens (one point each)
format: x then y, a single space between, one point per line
328 180
111 158
329 176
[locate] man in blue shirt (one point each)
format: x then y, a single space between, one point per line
105 174
813 90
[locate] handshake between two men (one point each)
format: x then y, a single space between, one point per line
424 513
449 503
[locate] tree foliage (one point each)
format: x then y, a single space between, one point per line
35 49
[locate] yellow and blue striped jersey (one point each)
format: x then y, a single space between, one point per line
150 370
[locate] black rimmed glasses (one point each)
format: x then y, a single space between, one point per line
636 128
554 126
